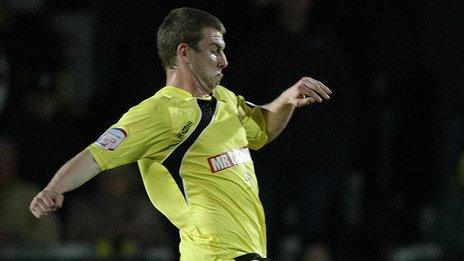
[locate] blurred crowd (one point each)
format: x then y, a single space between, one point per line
377 173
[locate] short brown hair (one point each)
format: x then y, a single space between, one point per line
183 25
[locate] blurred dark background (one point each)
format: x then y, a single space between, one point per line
376 173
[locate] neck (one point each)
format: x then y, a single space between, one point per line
182 78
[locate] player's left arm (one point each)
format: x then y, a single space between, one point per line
305 92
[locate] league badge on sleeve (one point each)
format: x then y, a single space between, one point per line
111 139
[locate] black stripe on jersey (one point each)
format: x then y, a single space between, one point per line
174 160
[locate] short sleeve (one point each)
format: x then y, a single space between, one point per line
254 123
144 131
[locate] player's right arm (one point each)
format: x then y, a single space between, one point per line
71 175
141 132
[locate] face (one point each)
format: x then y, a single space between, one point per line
207 63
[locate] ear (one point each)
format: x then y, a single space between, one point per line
183 53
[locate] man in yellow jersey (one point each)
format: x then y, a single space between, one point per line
191 142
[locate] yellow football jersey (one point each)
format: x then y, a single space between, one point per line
196 167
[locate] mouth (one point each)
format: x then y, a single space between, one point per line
219 75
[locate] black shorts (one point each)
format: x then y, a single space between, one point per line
251 257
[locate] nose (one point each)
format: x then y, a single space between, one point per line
223 61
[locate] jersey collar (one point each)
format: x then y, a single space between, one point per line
172 91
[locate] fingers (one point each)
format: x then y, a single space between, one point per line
55 197
306 101
59 201
45 202
315 89
324 90
36 213
310 94
38 208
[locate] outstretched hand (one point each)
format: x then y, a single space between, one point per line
45 202
307 91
